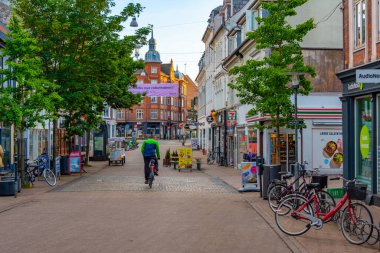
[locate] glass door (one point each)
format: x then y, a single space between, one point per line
363 140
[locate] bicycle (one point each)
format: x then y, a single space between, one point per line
153 171
42 169
211 157
279 189
296 214
29 173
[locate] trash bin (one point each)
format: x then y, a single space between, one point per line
63 165
271 172
321 179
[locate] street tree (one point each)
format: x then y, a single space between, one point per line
264 83
25 99
84 54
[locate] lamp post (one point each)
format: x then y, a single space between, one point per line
295 87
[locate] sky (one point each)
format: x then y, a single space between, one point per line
178 27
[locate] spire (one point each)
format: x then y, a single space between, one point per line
152 55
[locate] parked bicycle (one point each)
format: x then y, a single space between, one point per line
279 189
41 168
29 172
296 214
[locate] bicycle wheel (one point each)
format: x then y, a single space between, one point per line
325 203
275 194
210 160
49 177
151 178
289 220
356 223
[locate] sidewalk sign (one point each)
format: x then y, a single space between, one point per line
194 143
250 181
185 156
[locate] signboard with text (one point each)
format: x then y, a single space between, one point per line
250 179
156 90
231 117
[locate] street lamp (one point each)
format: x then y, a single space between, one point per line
295 87
134 22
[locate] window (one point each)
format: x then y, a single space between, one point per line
359 12
106 112
126 114
363 133
120 114
153 81
168 100
139 114
153 114
153 100
251 23
154 70
162 114
162 100
140 81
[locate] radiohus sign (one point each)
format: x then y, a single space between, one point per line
368 75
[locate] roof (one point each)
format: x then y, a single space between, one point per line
152 55
166 68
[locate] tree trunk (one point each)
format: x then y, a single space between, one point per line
55 128
21 158
88 135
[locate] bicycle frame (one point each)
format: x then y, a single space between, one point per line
319 215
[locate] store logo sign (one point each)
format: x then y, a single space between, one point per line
353 86
368 75
364 141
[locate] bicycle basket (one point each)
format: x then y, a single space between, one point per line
356 191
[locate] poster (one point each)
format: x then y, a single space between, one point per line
249 176
194 143
328 151
185 157
74 164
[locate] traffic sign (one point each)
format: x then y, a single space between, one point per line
209 119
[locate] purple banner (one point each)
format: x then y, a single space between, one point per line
157 90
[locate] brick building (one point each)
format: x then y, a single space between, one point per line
361 99
161 116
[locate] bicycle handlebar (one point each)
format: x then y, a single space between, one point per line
344 179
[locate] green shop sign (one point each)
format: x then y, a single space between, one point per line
364 141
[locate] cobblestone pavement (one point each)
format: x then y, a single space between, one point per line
160 184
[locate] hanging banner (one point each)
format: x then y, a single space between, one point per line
156 90
249 177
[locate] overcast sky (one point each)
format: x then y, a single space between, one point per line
178 28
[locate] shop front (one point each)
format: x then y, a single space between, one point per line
361 133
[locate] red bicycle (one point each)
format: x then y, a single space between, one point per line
296 214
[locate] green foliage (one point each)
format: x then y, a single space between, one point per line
264 83
167 154
25 100
84 54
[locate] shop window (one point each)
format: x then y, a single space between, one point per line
363 145
360 22
287 150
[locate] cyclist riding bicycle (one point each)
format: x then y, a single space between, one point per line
149 150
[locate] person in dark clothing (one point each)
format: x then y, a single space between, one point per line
150 149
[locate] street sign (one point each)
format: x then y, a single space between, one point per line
368 75
299 122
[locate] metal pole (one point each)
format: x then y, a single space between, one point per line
296 169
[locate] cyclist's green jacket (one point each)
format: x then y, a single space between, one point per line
150 148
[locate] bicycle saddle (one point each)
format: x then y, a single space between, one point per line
312 185
287 176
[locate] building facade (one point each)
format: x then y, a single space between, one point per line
361 135
322 48
163 116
